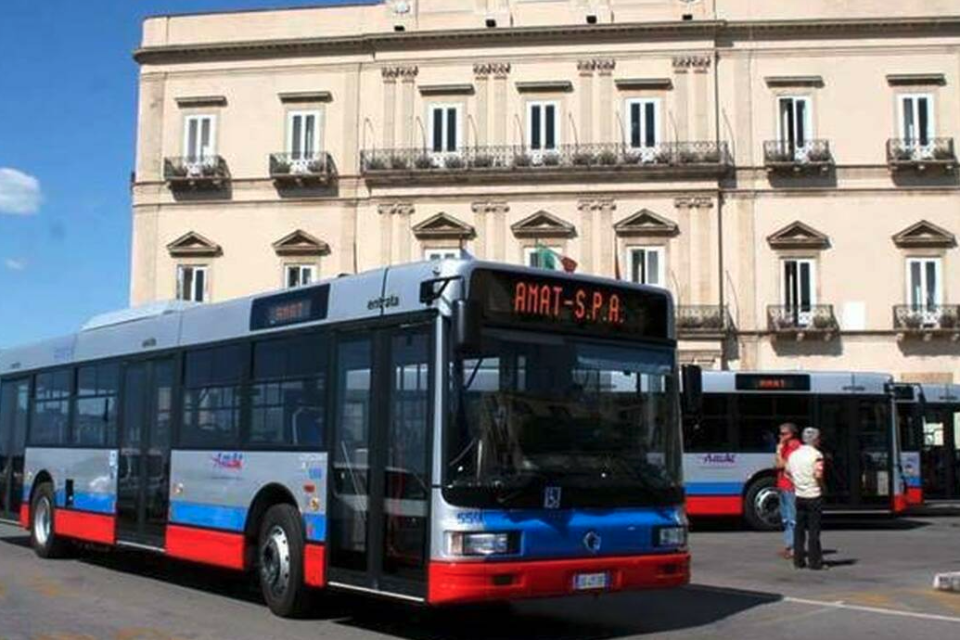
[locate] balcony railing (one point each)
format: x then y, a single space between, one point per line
787 156
301 169
927 320
679 158
190 172
799 321
919 155
703 320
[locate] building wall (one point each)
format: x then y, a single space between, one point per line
717 67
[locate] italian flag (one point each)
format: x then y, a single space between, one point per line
547 258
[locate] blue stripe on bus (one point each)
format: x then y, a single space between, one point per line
85 501
914 483
714 488
210 516
316 526
559 534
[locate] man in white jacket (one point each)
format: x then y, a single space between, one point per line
805 469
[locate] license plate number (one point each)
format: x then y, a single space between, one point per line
589 581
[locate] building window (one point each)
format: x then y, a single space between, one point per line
303 134
192 283
543 258
299 275
916 119
199 138
543 131
444 128
644 123
442 254
924 287
799 289
794 124
646 265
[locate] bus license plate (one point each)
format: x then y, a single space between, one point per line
591 581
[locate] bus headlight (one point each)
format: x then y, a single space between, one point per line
671 537
468 543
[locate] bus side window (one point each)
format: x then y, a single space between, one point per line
51 409
288 392
211 398
710 434
95 415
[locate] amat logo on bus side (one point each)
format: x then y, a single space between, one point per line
718 459
227 461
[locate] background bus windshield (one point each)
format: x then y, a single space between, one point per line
534 411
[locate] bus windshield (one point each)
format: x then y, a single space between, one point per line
594 420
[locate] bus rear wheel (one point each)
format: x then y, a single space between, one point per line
280 561
761 505
43 537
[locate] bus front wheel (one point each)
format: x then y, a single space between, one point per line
280 561
43 537
761 506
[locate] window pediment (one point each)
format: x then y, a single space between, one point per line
924 234
543 225
646 223
798 235
300 243
191 245
442 226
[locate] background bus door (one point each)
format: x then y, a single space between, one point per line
14 407
143 467
378 518
941 452
857 445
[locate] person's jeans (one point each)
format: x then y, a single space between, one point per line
808 521
788 516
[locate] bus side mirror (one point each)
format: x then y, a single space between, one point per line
466 326
691 377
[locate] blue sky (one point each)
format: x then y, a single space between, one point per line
68 97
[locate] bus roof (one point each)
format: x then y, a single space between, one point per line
165 325
822 382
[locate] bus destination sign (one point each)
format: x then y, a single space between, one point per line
545 300
760 382
294 307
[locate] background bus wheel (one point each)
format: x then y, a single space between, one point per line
46 543
280 561
761 506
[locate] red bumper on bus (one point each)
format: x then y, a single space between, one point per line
458 582
25 515
914 496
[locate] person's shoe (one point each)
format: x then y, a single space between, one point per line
786 554
799 565
819 567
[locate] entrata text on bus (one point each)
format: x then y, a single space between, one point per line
731 442
438 433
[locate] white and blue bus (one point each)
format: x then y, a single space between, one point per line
930 440
729 446
443 432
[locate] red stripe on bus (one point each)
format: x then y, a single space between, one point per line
313 565
899 503
914 496
25 515
714 506
452 582
205 546
91 527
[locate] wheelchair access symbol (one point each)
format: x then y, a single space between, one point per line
551 498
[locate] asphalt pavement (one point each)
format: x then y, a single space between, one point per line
879 585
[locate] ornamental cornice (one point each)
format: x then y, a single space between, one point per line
597 204
696 62
403 72
496 69
604 66
490 206
396 208
693 202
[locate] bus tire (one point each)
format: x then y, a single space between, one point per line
761 505
280 561
43 538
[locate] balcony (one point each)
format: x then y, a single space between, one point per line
798 323
188 173
301 169
703 321
784 156
677 160
927 321
915 155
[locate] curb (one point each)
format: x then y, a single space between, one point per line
947 582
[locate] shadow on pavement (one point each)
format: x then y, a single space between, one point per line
879 522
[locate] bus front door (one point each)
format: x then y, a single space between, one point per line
857 448
14 405
379 487
143 467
